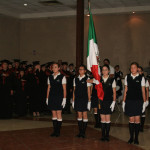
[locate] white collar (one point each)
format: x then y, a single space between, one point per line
81 77
105 79
135 75
56 75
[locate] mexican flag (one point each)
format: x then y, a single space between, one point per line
92 54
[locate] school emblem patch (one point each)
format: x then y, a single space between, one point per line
58 80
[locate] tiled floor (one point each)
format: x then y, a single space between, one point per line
33 134
39 139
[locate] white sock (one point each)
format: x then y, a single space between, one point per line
85 120
59 119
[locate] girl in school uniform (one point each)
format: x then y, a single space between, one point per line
56 97
142 119
81 99
108 103
134 103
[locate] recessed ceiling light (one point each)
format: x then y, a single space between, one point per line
25 4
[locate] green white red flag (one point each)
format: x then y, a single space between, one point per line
92 54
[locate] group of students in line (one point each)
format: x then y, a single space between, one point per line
57 84
135 99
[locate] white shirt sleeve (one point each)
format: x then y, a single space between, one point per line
143 81
64 81
112 71
74 84
125 81
147 84
114 84
48 81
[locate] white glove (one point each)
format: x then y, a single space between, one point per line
147 103
144 107
95 81
46 101
112 106
123 106
73 104
63 102
89 105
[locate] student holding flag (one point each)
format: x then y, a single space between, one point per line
109 100
108 96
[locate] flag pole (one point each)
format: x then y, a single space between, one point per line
89 5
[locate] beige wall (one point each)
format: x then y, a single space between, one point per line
121 38
52 39
9 38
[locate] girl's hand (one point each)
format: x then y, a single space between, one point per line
89 105
46 101
63 102
123 106
73 104
112 106
144 107
89 81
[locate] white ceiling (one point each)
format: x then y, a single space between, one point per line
35 9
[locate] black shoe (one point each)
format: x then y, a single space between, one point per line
107 139
83 136
136 142
53 134
103 139
130 141
57 135
79 135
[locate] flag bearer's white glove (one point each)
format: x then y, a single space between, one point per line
95 81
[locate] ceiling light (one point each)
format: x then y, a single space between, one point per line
25 4
133 12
